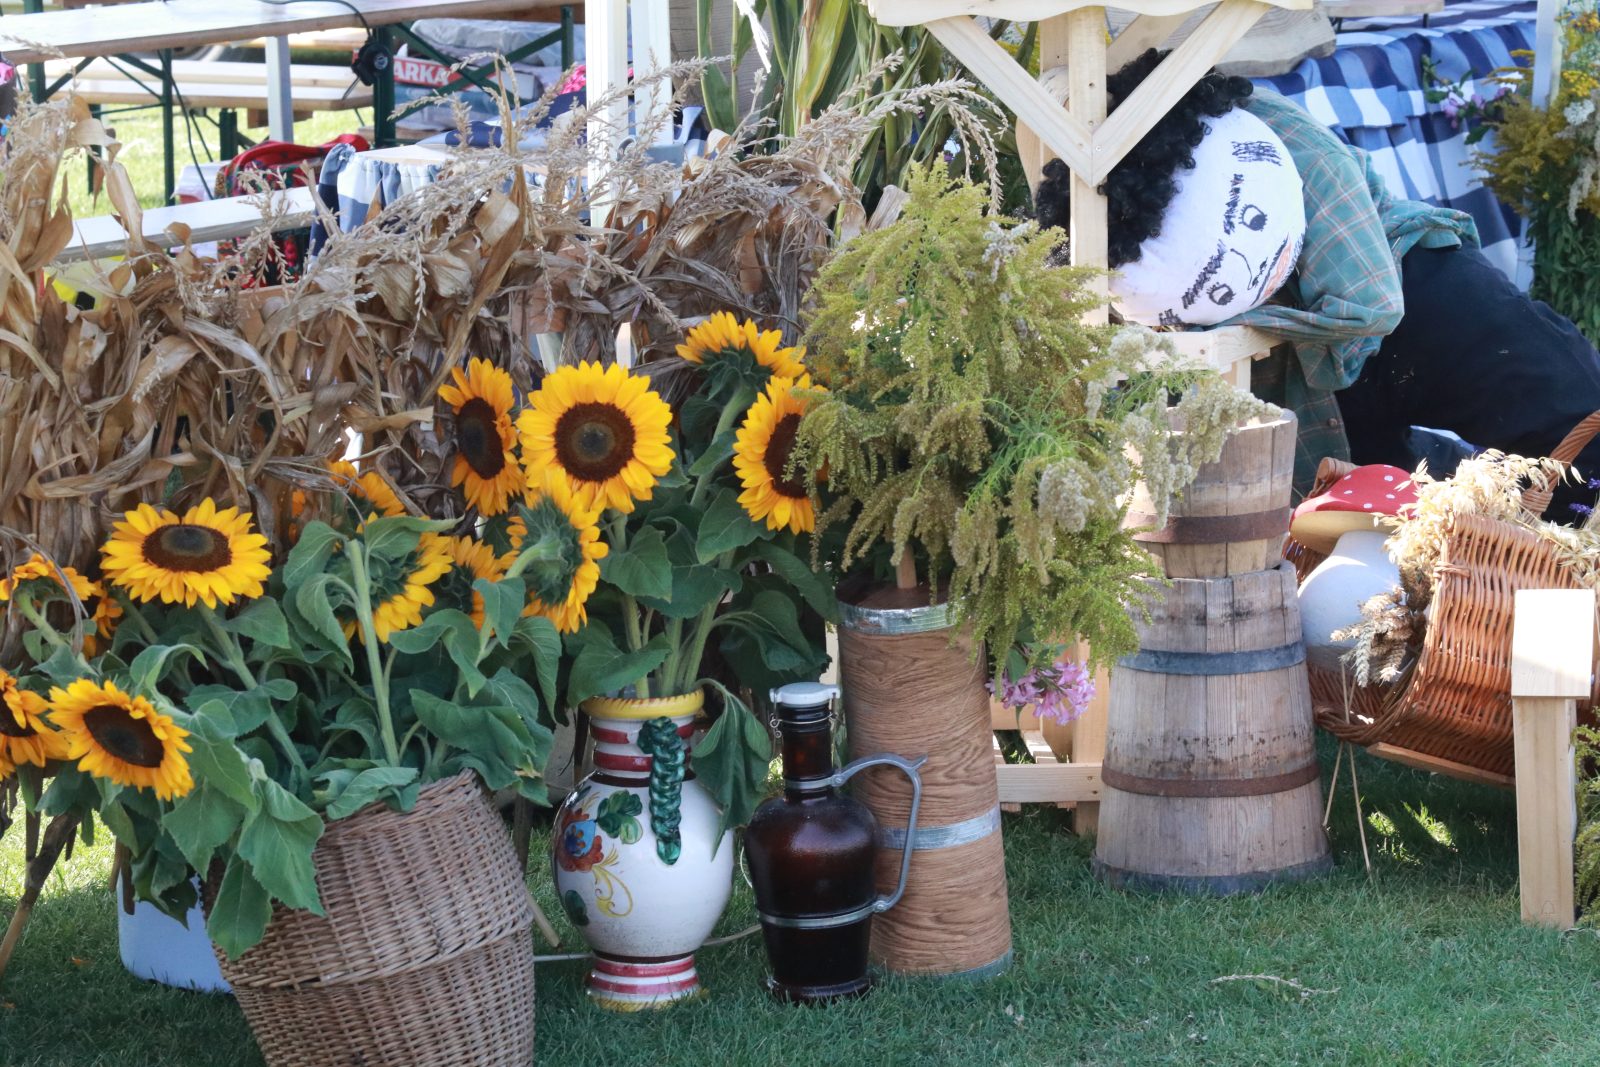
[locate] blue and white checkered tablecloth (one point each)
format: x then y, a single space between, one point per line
1370 92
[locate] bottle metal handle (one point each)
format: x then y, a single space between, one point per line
909 769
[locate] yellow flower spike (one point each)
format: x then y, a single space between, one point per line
39 567
25 736
122 738
210 556
485 465
603 430
723 334
761 454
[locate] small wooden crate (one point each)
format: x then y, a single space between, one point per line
1072 783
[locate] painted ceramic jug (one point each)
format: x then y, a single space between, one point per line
639 865
811 854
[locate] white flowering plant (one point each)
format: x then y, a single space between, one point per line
974 420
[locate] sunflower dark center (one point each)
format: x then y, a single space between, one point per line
776 458
478 438
183 547
119 733
594 441
10 727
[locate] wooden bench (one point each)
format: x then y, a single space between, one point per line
209 220
223 86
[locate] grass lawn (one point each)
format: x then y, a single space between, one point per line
1423 962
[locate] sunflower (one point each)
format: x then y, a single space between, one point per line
25 737
207 555
107 610
761 454
722 336
473 560
485 464
369 491
600 428
121 737
559 586
400 588
39 567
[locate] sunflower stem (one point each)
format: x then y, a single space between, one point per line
228 645
46 631
736 406
701 632
143 623
369 639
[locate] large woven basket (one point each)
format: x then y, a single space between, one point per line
1454 704
424 958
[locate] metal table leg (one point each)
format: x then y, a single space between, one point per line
383 93
169 168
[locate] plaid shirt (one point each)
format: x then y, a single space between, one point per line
1344 297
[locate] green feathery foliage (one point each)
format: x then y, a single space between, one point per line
973 418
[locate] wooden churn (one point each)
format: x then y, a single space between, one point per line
909 689
1210 777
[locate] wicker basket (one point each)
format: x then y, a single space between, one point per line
1454 704
424 957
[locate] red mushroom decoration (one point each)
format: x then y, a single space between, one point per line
1345 525
1358 501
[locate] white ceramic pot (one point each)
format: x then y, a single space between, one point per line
643 917
1331 596
162 949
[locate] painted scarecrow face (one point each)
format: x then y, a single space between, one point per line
1230 236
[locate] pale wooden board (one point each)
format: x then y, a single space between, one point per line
917 12
1048 783
209 220
1222 347
1275 45
186 23
1434 764
1362 9
223 95
1552 643
198 72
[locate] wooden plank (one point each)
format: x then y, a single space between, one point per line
1552 657
1552 643
191 72
237 97
1145 31
1086 101
921 12
210 220
187 23
1050 783
606 55
1363 9
1424 762
1066 136
1176 75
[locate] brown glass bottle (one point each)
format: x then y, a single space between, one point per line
811 857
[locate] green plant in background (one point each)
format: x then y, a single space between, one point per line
1545 162
973 418
821 51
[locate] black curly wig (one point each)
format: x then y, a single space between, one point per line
1141 186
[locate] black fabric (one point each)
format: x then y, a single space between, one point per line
1476 356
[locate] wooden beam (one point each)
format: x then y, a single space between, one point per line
1049 783
1552 657
993 66
1086 100
1146 31
1437 765
922 12
1176 75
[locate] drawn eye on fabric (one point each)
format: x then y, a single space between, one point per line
1252 218
1221 294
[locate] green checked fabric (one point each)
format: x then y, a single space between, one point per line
1344 297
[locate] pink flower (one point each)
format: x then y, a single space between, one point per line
576 79
1060 692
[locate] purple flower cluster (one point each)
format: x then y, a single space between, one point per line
1060 692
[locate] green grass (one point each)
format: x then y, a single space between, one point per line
1423 963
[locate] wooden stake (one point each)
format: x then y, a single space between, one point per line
1552 654
905 571
60 831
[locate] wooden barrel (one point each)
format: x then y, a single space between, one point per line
910 690
1234 517
1210 780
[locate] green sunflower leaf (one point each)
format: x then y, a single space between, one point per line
310 554
694 588
494 740
277 841
642 569
313 603
364 787
150 666
732 761
217 762
262 621
502 606
816 589
542 639
725 526
599 666
201 821
397 536
238 917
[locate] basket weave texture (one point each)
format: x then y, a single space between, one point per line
424 958
1455 701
